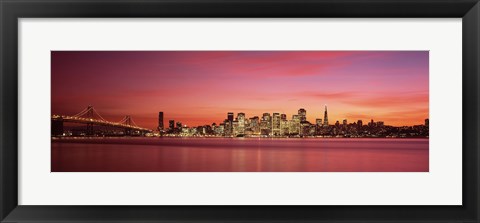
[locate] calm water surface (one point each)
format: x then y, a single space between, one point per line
239 155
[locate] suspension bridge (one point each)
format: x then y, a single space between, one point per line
91 118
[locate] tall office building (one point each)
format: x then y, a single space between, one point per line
219 129
305 128
344 122
179 125
283 116
171 124
359 123
295 125
228 130
325 117
160 121
427 122
284 127
302 114
255 125
241 123
230 116
229 127
266 124
276 124
235 128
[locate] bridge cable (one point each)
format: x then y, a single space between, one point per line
81 113
95 111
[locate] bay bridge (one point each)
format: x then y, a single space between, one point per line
91 118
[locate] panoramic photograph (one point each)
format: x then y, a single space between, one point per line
239 111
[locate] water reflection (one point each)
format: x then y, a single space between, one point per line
239 155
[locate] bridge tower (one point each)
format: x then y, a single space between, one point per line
128 121
90 115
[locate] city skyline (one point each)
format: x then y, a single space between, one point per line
164 124
199 87
278 125
266 125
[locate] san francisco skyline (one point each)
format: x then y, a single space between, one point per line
200 87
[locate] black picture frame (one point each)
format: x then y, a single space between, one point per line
12 10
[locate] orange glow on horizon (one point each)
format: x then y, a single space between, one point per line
200 87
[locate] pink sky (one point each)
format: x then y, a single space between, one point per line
200 87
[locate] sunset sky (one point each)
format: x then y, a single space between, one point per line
200 87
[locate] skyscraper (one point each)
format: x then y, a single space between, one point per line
228 131
255 125
325 117
171 124
302 114
284 126
179 125
160 121
295 125
235 128
230 116
276 124
241 123
266 124
229 127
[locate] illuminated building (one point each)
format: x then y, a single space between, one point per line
318 125
284 126
241 123
302 114
266 124
214 126
325 117
219 129
171 125
229 127
305 128
235 128
179 125
228 131
160 121
294 125
276 124
255 125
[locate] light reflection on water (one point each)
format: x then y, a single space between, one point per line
239 155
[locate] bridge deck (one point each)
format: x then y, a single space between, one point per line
72 119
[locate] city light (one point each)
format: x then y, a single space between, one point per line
277 125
